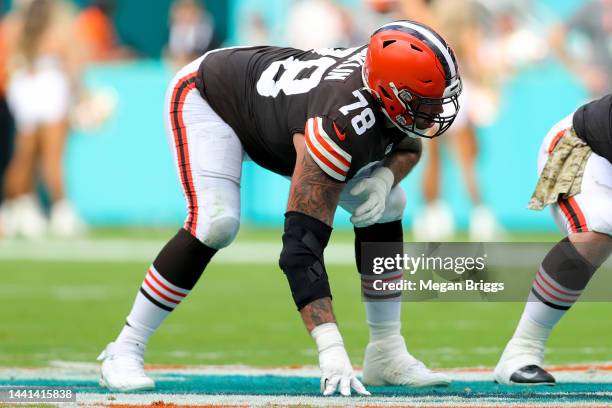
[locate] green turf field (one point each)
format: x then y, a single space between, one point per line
243 314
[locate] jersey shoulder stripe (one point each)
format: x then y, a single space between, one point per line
329 145
330 157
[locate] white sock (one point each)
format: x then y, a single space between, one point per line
155 300
542 314
142 321
537 321
531 330
554 291
383 318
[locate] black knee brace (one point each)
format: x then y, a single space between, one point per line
391 232
301 259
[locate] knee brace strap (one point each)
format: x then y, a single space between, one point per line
301 259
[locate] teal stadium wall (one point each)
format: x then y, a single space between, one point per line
122 174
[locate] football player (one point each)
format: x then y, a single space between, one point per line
575 167
344 125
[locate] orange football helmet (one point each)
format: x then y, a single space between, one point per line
414 75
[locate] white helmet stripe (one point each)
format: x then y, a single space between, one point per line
432 38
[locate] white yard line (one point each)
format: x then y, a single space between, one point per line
101 400
241 252
146 250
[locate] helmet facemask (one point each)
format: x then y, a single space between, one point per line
437 113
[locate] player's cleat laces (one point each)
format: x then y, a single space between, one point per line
123 368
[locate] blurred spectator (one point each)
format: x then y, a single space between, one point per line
593 64
368 15
6 118
97 31
255 31
351 35
513 37
376 13
419 10
458 23
382 6
44 70
317 24
192 32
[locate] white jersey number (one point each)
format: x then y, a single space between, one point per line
292 76
363 120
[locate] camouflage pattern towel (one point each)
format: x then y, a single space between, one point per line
562 174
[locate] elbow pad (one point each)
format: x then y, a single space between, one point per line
301 259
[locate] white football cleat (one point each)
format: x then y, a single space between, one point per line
484 226
123 368
31 222
65 222
8 224
388 362
520 363
434 223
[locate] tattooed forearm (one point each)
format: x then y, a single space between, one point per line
317 312
401 163
312 191
315 194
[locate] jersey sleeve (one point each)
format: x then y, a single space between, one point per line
329 146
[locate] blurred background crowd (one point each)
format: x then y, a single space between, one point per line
82 85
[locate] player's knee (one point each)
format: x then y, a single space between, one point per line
395 205
220 232
594 246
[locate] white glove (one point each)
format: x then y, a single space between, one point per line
376 188
336 369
